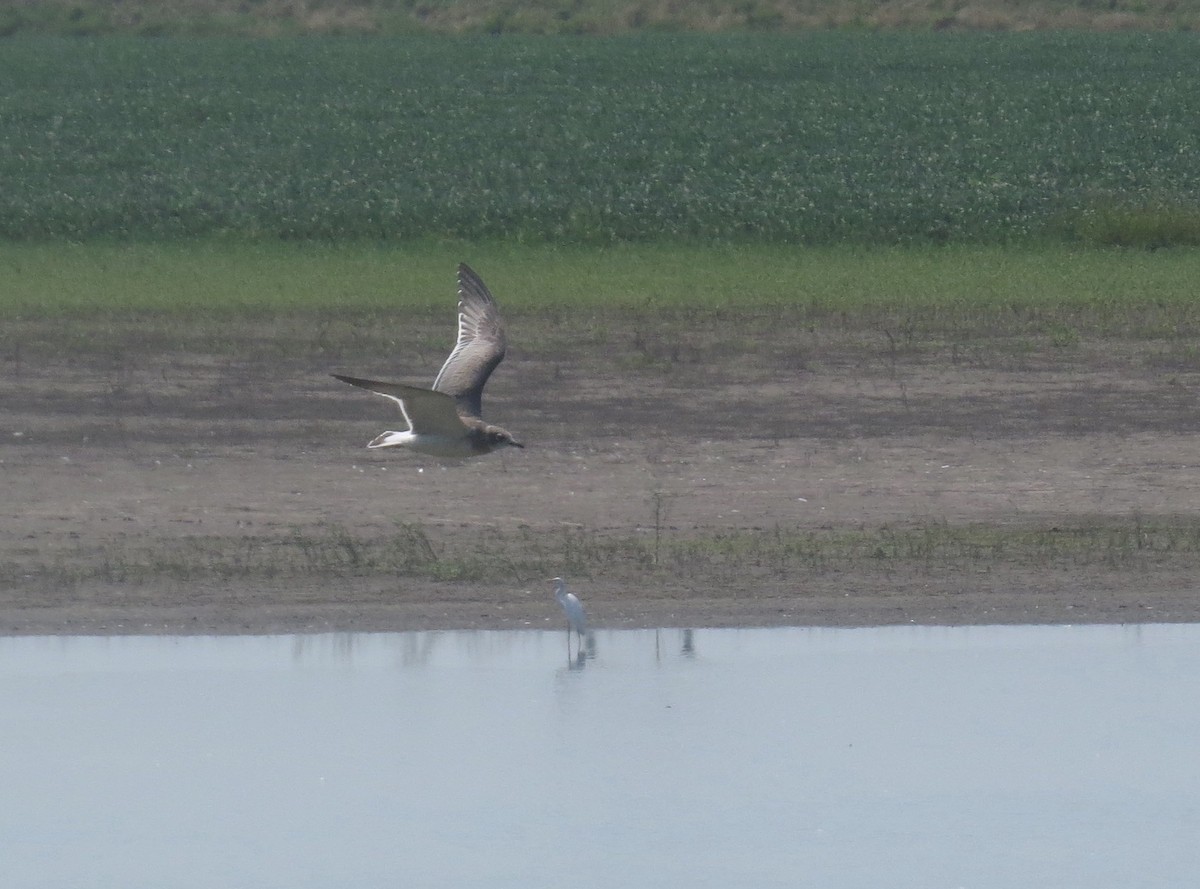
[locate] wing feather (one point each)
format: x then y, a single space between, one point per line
427 412
480 346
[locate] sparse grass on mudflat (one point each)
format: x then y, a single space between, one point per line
187 17
819 138
705 558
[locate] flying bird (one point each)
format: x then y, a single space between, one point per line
447 420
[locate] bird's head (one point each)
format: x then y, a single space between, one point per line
499 438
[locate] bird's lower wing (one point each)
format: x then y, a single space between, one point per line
427 412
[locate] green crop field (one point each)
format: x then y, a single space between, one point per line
821 138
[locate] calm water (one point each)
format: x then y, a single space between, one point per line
902 757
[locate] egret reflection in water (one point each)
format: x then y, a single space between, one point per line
687 643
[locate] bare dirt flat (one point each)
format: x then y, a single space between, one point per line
674 477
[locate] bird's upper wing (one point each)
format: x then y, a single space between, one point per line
480 345
427 412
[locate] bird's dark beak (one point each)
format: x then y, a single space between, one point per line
515 443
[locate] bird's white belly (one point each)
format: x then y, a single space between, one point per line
444 446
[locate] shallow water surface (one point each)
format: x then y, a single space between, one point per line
898 757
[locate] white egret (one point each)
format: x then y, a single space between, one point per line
572 608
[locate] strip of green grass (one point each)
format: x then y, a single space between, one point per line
1113 290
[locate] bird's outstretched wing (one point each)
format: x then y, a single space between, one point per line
480 345
427 412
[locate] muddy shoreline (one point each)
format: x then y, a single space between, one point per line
150 489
